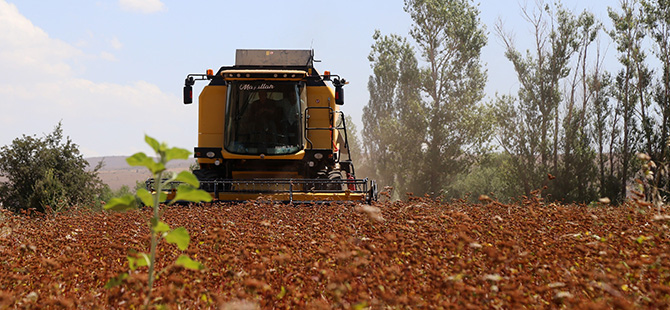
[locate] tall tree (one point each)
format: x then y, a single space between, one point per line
449 36
657 20
529 130
393 119
628 34
604 130
576 174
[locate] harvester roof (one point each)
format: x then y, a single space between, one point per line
254 64
274 58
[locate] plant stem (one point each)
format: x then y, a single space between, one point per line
154 237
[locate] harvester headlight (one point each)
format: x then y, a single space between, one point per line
318 155
217 162
311 164
210 154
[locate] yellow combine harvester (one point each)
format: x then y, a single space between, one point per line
270 127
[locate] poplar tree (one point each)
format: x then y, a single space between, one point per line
449 37
657 21
529 130
393 119
424 123
577 172
628 34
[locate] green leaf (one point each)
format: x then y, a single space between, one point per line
188 178
176 153
180 237
132 262
159 226
153 143
188 193
163 197
168 176
135 262
116 281
282 293
123 203
188 263
141 159
146 197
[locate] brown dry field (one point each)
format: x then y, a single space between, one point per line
394 255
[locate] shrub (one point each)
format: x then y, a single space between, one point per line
46 173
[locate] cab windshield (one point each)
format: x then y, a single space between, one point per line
263 117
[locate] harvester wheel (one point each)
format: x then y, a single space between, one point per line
337 175
321 175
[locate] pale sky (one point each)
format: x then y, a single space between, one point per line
112 71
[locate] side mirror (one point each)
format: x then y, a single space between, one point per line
339 95
188 90
339 91
188 94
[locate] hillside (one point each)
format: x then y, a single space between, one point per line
116 172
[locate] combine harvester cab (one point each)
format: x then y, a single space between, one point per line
270 127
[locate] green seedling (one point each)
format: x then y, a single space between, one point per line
187 191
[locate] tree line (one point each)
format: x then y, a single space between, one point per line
575 131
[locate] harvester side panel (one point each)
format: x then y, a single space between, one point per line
320 97
211 114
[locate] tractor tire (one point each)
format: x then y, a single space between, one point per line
337 175
321 175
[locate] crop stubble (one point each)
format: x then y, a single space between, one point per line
391 255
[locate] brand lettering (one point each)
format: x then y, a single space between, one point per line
256 87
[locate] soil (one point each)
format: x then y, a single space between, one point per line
394 255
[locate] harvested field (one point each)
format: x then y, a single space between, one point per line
416 254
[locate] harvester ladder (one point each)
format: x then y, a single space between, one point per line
331 115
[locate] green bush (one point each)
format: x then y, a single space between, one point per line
49 192
490 176
46 173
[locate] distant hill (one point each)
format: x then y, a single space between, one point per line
116 172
